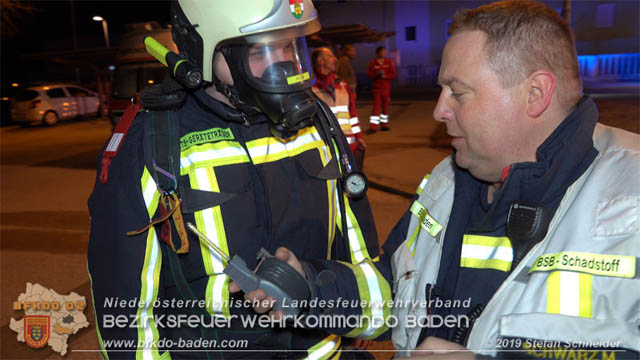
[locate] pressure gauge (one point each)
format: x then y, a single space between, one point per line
355 185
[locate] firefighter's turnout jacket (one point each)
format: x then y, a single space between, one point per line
574 293
261 191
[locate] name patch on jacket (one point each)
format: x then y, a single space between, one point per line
205 136
428 223
595 264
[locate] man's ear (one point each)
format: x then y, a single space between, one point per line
541 86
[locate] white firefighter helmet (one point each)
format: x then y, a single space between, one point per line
201 26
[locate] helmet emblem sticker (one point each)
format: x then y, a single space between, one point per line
297 8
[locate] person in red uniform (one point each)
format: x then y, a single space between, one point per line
338 95
381 71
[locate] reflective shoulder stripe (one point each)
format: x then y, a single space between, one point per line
486 252
570 293
149 277
325 349
375 298
211 155
423 183
623 266
428 223
271 149
209 221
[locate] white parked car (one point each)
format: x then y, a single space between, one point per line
50 103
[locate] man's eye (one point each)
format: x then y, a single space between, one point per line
456 95
257 54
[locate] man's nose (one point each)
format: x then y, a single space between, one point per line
442 112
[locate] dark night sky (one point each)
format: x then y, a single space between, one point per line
49 28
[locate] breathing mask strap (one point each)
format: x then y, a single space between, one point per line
233 92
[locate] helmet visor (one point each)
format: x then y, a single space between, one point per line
278 66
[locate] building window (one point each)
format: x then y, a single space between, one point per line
604 15
410 33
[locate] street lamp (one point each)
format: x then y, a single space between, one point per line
104 28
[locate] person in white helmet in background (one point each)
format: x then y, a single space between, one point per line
254 161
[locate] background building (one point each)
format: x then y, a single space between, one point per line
607 35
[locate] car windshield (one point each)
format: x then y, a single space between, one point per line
26 95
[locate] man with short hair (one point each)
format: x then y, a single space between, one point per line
525 242
345 69
338 95
534 181
381 71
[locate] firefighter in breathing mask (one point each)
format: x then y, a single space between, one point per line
246 158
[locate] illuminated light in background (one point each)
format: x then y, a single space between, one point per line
15 84
150 81
111 67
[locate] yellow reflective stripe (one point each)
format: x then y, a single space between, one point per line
490 241
586 296
411 244
165 356
570 293
273 149
428 223
596 264
211 155
486 252
209 221
103 351
423 183
325 349
553 293
357 246
376 295
149 277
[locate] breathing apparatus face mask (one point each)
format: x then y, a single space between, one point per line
275 77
